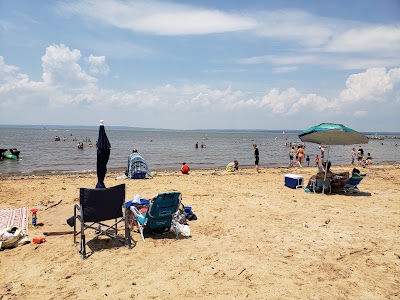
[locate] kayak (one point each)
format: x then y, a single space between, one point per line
10 156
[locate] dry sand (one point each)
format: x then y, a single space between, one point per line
254 238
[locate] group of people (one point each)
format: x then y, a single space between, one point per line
137 164
299 154
234 165
14 152
337 180
359 156
201 146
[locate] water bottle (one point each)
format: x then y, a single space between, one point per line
34 216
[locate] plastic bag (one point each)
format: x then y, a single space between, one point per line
181 228
136 198
10 237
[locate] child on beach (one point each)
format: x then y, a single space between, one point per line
368 160
291 156
185 168
233 166
316 160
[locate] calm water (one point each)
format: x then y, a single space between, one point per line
164 150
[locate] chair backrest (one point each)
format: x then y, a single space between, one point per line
321 182
355 180
102 204
161 210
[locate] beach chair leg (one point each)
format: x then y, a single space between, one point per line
141 231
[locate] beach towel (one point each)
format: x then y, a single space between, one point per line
17 217
137 165
13 227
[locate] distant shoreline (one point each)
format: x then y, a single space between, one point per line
113 127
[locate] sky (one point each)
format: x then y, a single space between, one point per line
265 65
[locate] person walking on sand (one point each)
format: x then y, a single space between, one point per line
256 157
308 160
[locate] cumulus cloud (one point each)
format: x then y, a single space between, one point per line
61 67
66 83
97 65
139 99
6 69
371 85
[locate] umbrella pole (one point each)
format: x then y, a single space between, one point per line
326 170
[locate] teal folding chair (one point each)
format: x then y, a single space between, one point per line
159 214
351 185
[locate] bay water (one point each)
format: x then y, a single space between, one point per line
166 149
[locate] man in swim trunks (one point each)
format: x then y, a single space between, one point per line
256 157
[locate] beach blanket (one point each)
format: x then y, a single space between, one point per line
136 164
17 217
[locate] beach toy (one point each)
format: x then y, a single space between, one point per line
38 240
34 216
188 209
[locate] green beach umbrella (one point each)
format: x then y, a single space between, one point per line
332 134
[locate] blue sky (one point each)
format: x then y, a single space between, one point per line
201 64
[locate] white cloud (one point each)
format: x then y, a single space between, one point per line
373 39
334 43
285 69
6 69
161 18
371 85
97 65
294 25
61 67
66 84
138 99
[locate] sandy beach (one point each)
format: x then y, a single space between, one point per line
254 239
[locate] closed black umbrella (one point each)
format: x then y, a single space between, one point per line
103 154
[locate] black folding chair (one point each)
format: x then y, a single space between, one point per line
96 207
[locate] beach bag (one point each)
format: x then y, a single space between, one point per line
10 237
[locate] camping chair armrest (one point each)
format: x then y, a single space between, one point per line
80 216
141 219
137 213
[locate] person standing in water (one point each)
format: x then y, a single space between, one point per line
256 157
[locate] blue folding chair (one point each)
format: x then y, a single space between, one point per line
158 218
351 185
